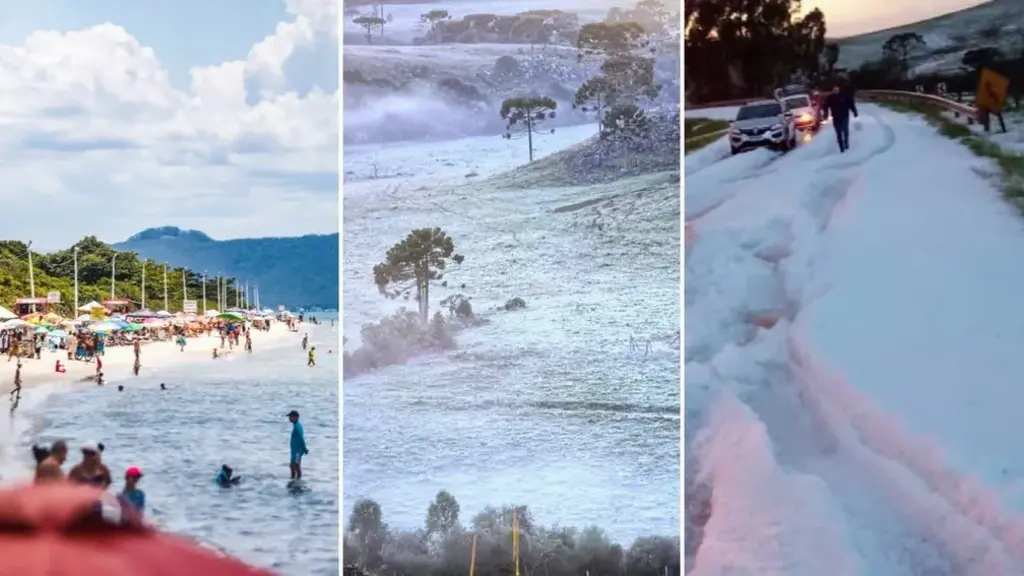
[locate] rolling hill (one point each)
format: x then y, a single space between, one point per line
295 272
997 23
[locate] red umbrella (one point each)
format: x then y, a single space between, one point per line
61 529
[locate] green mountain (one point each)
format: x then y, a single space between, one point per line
295 272
55 272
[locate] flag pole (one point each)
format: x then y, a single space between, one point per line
472 557
515 540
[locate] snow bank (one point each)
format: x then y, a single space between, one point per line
764 521
893 387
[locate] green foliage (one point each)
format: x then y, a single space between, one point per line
54 272
444 546
395 339
611 38
831 57
413 263
630 78
593 96
370 23
434 16
625 121
980 57
523 114
900 47
735 49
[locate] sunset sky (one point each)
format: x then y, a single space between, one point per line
846 18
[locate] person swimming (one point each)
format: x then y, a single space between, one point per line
226 477
120 388
163 386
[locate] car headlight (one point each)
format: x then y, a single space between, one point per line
805 117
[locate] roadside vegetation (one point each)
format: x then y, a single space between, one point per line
699 132
492 541
1011 164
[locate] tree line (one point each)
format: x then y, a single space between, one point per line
893 69
444 545
625 85
55 272
743 47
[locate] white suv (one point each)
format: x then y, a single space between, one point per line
762 123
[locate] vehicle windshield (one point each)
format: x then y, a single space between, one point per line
797 102
766 110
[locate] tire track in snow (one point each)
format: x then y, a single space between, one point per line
896 524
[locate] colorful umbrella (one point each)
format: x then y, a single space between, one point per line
231 316
63 529
41 330
104 327
132 328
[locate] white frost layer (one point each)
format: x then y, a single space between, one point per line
922 323
764 521
852 244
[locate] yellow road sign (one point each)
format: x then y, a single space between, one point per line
992 89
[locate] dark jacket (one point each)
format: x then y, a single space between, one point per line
839 106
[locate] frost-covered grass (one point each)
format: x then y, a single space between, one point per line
699 132
548 405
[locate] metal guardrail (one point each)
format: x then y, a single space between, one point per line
958 108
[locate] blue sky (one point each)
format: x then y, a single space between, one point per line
218 115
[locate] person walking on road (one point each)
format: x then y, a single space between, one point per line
839 104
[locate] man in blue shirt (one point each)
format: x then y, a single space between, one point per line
298 445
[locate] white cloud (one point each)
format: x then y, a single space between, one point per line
95 138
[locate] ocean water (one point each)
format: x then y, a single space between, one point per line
231 411
549 406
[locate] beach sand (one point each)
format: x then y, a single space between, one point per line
118 361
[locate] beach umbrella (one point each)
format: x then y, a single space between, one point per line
41 330
132 328
14 324
104 328
164 314
55 334
231 316
63 529
6 314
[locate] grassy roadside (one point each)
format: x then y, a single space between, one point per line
1010 164
699 132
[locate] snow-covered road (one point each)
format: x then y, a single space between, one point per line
854 359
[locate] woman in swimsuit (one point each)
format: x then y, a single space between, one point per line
91 469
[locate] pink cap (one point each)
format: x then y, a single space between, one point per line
133 472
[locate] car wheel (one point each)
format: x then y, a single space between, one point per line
734 150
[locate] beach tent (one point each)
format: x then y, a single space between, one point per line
164 314
6 314
88 307
211 313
